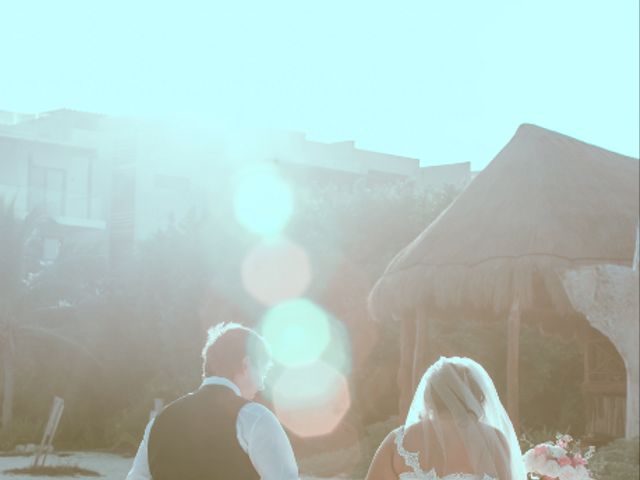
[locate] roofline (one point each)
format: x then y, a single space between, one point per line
12 135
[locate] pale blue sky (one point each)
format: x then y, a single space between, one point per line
444 81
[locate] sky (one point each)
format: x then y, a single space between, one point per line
443 81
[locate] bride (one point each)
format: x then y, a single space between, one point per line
456 429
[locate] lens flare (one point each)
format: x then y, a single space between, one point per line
338 352
276 270
263 201
311 400
297 331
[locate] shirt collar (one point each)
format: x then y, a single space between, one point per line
213 380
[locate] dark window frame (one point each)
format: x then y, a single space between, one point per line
46 170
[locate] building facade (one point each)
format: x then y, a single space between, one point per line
125 179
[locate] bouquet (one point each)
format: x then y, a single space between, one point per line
562 460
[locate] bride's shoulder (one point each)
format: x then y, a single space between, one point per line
415 429
389 444
385 456
412 436
394 434
387 447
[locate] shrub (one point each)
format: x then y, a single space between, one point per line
22 431
620 460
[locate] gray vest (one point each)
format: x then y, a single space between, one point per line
194 438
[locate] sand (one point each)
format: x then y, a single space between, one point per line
111 467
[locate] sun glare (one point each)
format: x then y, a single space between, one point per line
263 201
276 270
311 400
298 332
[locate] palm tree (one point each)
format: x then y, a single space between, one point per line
14 234
19 316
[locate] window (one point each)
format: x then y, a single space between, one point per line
47 189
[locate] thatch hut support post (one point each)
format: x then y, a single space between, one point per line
513 365
405 370
418 351
425 353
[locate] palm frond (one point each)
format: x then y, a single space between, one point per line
51 314
52 335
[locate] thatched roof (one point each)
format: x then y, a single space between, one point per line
547 202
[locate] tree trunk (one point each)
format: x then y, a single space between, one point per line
7 398
513 365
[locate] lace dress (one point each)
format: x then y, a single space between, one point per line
412 460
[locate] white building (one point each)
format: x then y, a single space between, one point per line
128 178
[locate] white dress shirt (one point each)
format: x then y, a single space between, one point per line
259 433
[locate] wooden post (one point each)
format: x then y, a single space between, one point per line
405 370
636 256
425 351
418 352
49 431
513 365
7 394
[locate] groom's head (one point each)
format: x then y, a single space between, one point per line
239 354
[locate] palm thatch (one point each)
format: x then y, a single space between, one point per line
547 202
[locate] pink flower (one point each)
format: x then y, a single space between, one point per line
563 461
540 450
559 460
556 452
578 460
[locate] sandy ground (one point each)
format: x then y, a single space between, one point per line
111 467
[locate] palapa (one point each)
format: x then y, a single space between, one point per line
546 203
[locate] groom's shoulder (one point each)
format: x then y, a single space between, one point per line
257 408
254 411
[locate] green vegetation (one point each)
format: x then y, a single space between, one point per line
143 322
620 460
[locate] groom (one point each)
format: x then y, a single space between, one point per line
217 432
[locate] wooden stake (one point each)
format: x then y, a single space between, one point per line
49 431
513 365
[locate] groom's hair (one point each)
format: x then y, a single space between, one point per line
227 345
